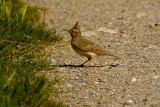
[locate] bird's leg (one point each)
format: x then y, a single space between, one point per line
87 63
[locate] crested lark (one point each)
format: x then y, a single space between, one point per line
85 47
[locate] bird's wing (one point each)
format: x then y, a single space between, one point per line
86 45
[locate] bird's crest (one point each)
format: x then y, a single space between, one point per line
76 26
75 31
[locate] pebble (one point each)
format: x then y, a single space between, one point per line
141 14
104 29
69 85
156 76
129 102
96 82
88 33
133 80
156 26
157 23
114 65
53 62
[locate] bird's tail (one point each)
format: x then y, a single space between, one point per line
110 54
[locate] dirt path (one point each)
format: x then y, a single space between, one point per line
122 26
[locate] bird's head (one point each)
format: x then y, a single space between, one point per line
75 31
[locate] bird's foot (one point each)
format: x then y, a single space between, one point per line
86 65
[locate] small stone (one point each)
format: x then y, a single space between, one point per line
133 79
157 23
151 46
106 63
129 102
155 26
141 14
114 65
156 76
104 29
111 31
53 61
61 69
96 82
69 85
88 33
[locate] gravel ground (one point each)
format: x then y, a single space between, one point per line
122 26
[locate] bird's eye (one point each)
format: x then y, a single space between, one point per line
73 31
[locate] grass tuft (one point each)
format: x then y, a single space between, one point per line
22 45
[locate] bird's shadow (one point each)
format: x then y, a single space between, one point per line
77 66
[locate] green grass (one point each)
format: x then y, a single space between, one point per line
22 44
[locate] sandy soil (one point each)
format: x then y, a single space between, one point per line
122 27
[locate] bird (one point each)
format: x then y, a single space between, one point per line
86 47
